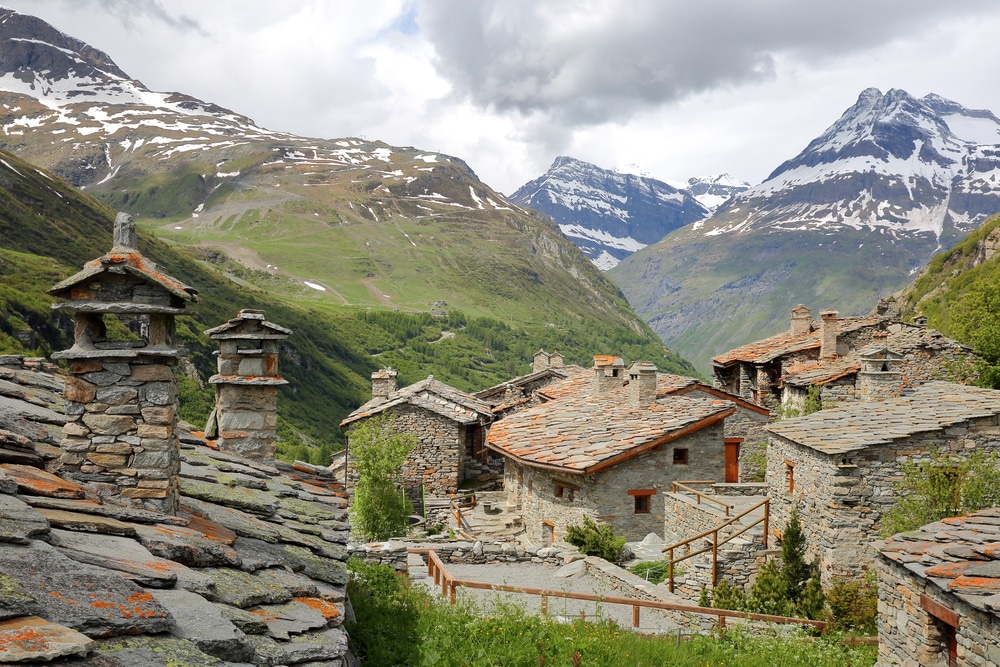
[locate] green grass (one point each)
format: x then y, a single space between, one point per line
400 625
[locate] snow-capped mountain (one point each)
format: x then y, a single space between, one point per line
891 161
713 191
848 220
608 214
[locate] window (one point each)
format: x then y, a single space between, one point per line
565 491
680 455
642 499
790 476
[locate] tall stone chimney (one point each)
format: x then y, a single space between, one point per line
801 321
543 360
121 395
880 377
246 387
609 373
383 382
642 384
828 331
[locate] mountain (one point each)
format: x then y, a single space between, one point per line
608 214
850 219
713 191
378 255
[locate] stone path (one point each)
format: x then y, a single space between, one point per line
548 577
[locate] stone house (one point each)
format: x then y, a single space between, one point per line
839 467
939 594
450 426
607 453
779 370
522 392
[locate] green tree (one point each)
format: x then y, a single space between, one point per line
378 451
942 486
977 322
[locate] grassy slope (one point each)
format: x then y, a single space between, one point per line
49 229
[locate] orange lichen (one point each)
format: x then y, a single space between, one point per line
25 639
328 609
266 616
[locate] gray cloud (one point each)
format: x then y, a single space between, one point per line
129 12
584 62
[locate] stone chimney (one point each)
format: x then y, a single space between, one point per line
642 384
880 377
609 373
246 386
828 331
383 382
121 394
543 360
801 321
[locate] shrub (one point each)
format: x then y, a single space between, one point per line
854 604
596 540
653 571
386 613
380 509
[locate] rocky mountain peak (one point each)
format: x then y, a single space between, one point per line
608 214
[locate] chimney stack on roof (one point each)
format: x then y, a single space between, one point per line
544 360
828 330
801 321
609 373
383 382
642 384
879 378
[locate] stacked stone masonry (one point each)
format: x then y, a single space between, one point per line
120 434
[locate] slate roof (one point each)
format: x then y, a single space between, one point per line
769 349
960 555
252 569
432 395
555 373
931 407
903 339
585 433
249 323
132 262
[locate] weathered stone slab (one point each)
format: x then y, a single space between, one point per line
242 589
15 600
7 483
117 553
19 521
201 622
297 585
267 652
257 554
251 624
308 512
33 639
289 619
122 513
154 651
87 523
67 591
41 483
238 522
187 546
571 569
250 500
327 644
324 569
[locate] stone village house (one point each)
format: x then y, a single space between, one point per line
939 594
450 426
839 467
778 371
607 452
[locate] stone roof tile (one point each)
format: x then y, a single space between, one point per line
432 395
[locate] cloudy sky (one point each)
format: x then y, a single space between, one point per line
669 88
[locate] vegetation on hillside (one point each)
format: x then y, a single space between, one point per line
397 624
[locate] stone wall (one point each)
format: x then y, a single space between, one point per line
841 498
604 496
395 553
120 435
910 637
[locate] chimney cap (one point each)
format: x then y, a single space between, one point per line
828 314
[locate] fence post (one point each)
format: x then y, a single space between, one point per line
545 605
635 616
670 571
767 517
715 557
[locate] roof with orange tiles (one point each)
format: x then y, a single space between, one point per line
555 372
822 372
432 395
586 433
931 407
960 555
132 262
771 348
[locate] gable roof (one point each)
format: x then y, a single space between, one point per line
131 262
959 555
553 373
769 349
931 407
587 433
252 569
249 324
431 395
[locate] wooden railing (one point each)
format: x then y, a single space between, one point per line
441 577
457 504
685 487
716 543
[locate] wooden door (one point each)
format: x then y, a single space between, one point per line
733 459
